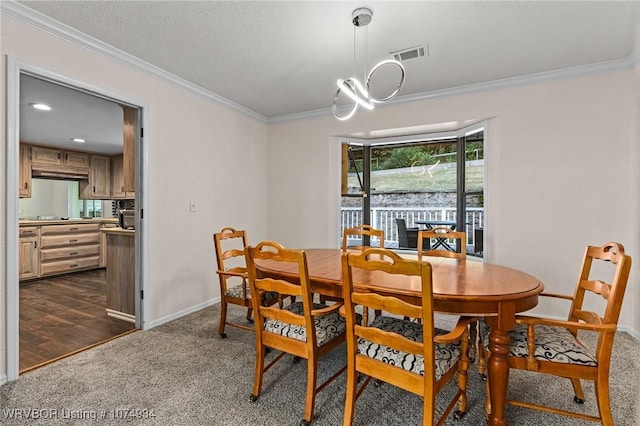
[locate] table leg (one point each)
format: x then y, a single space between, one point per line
497 364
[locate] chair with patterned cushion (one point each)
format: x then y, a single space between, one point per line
413 356
304 329
552 346
233 277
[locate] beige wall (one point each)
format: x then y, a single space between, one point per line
197 150
561 159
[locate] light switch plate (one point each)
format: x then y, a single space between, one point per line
192 206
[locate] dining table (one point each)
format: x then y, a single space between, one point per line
460 287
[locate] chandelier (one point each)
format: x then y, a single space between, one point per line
358 92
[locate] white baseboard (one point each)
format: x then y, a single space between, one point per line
3 379
182 313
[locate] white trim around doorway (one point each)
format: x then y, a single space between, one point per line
13 70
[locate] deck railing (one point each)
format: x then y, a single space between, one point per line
385 218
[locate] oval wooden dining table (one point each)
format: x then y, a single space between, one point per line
464 287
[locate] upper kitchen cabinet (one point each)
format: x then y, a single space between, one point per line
25 172
128 149
117 179
99 184
56 157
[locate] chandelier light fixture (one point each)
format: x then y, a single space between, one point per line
358 92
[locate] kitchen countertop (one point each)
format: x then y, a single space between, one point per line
119 231
35 222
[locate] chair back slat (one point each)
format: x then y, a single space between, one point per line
387 304
281 315
392 340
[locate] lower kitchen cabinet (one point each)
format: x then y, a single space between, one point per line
69 248
28 252
121 273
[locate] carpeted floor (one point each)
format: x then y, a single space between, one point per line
182 373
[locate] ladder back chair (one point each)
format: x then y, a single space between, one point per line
460 253
552 346
304 329
413 356
229 246
362 231
441 234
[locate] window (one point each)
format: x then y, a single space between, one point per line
416 179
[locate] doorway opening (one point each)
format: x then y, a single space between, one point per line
74 278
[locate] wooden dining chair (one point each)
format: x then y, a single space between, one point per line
461 254
413 356
229 246
304 329
362 231
552 346
442 233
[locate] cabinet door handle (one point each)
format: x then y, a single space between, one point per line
73 253
75 265
58 156
73 241
66 157
26 185
94 188
73 229
35 244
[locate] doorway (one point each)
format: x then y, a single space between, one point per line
87 277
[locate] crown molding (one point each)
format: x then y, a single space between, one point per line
38 20
560 74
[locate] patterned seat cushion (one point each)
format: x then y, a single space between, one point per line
327 326
446 355
236 292
553 344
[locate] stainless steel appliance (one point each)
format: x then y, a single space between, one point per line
127 219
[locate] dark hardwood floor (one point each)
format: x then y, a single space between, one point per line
62 315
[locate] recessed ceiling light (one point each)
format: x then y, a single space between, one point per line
79 140
41 107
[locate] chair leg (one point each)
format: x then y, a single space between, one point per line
249 313
473 335
350 398
223 318
312 368
257 382
487 403
463 378
482 357
602 397
577 390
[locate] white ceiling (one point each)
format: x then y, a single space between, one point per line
73 114
284 57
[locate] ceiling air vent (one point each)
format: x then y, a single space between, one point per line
413 52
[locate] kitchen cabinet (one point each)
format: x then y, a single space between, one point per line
28 252
69 248
121 278
46 156
25 171
128 148
99 183
103 242
57 157
117 180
